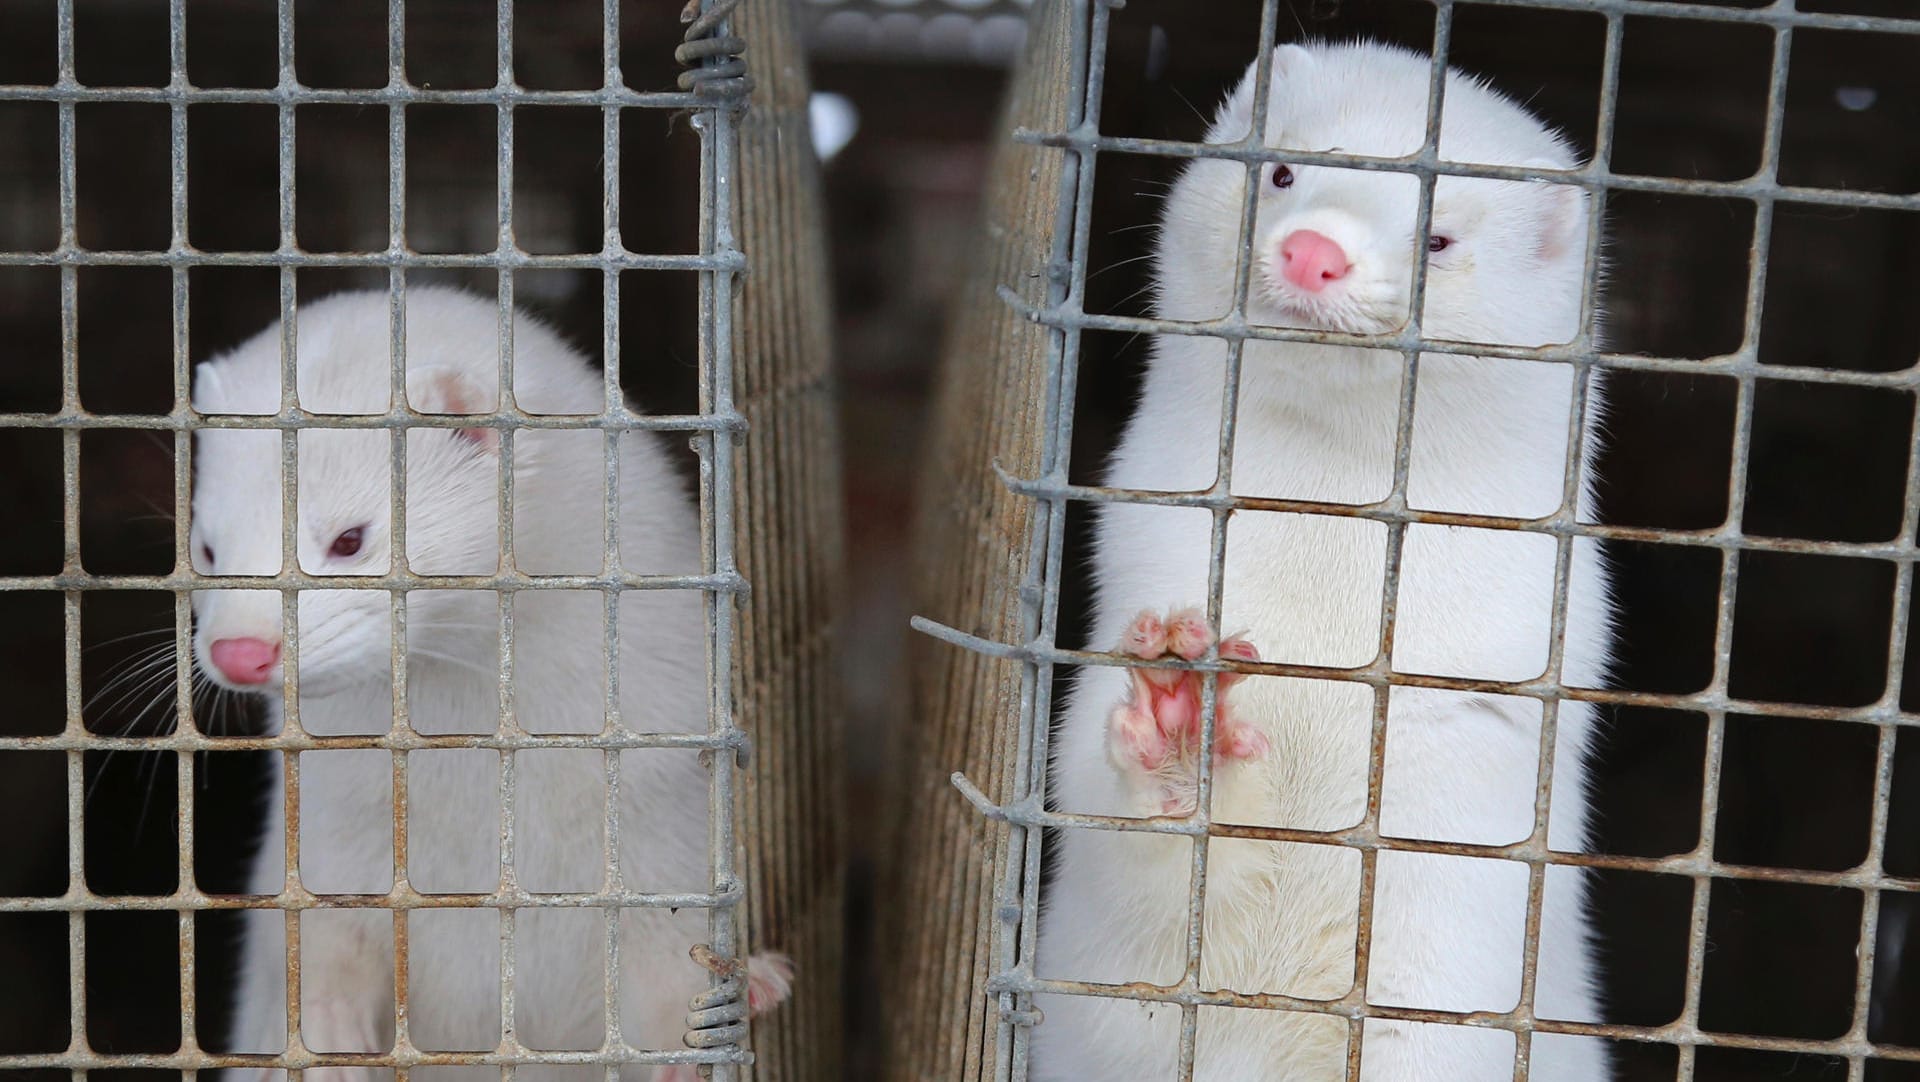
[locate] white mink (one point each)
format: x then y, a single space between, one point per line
346 687
1334 249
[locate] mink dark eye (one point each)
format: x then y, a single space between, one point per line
206 554
1281 177
348 543
1438 243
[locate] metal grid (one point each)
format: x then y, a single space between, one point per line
712 95
1012 939
950 31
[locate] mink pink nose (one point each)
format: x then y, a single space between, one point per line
1310 260
245 661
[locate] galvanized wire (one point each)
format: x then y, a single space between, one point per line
1039 480
714 432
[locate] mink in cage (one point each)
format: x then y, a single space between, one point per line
1750 498
406 177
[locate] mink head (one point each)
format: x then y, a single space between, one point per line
343 514
1335 249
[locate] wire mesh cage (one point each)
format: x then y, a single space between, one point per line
1751 881
179 176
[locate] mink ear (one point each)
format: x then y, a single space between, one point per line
1292 58
206 384
446 390
222 389
1562 221
1235 118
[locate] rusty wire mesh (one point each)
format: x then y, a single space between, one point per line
994 554
767 666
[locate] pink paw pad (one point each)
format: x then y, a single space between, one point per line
1137 733
1146 637
1188 635
769 981
1155 732
1235 648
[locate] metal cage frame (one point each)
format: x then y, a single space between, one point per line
713 94
1011 980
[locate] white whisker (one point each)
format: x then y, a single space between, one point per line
450 659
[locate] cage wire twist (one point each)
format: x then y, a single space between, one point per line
1012 931
715 428
715 66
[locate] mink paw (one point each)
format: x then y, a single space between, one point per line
1155 732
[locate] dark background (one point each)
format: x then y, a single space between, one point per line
1828 463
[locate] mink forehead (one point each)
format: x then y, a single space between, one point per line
1476 126
342 474
1372 100
345 343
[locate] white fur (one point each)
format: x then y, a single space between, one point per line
558 687
1319 422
